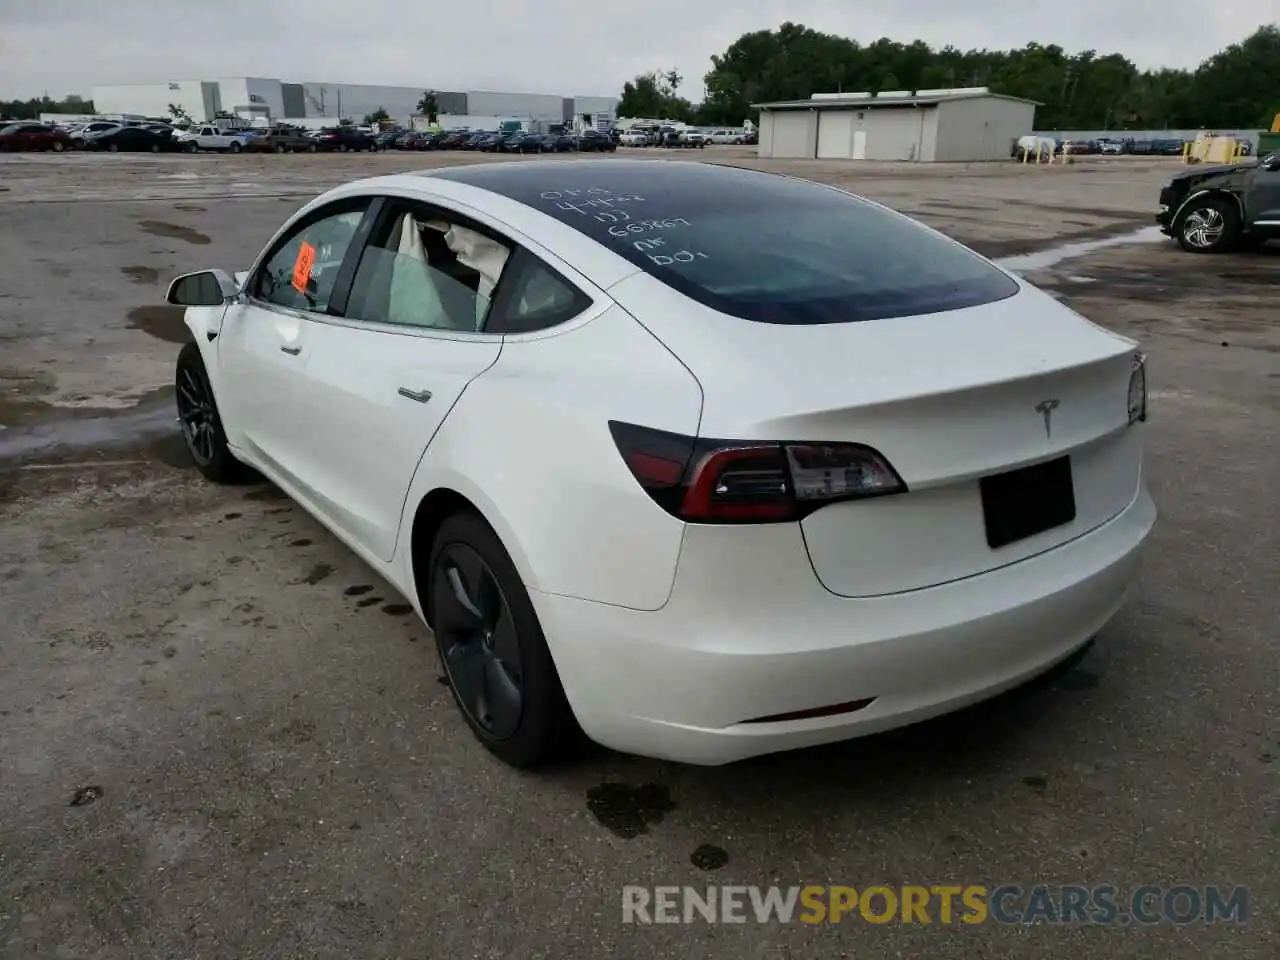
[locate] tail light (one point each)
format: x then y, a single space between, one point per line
1138 389
727 481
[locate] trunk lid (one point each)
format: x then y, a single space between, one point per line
946 398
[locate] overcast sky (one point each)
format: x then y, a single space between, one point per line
566 47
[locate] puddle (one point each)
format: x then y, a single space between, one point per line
161 229
1043 259
155 419
163 321
141 274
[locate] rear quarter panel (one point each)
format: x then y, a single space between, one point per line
529 444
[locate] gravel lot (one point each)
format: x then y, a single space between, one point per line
278 771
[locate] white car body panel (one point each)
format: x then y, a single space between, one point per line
521 436
672 639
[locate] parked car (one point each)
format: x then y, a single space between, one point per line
727 136
96 126
386 139
594 141
634 138
343 139
693 579
131 140
693 137
455 140
536 143
1213 208
210 137
33 136
1110 148
282 139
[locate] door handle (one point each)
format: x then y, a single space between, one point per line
292 351
422 396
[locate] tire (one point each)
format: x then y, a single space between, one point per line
235 146
279 148
1208 224
155 148
200 423
479 663
113 147
193 147
58 146
311 148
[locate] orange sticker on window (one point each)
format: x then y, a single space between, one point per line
302 266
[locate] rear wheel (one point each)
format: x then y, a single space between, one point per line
113 147
155 148
311 148
235 146
193 147
58 146
201 425
492 648
1208 225
279 148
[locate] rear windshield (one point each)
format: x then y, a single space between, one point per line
768 248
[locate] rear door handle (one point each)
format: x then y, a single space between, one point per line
292 351
422 396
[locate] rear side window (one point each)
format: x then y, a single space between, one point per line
763 247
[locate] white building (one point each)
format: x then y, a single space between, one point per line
928 125
261 98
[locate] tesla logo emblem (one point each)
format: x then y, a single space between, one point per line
1046 407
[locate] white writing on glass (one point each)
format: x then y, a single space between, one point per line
644 226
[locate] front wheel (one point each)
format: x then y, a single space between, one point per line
1208 225
311 148
193 147
201 425
58 146
114 148
235 147
491 646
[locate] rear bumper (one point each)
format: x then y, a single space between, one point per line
749 633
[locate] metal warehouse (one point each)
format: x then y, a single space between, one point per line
957 124
267 99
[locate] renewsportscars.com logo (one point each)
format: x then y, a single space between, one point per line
936 904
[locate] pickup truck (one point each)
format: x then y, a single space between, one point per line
1211 209
209 137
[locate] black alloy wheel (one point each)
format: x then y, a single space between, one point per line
478 640
199 421
492 648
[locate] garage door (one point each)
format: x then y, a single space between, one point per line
835 135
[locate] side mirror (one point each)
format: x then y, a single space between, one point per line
205 288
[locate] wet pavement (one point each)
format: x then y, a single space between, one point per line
222 736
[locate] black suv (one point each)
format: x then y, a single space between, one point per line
1210 209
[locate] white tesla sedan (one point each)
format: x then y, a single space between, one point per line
708 461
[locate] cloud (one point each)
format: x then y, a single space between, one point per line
566 47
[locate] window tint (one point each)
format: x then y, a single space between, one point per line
425 271
316 264
755 245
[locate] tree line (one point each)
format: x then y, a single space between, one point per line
32 108
1237 87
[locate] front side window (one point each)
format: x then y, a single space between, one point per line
301 272
428 272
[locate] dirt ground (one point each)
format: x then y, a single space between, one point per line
221 736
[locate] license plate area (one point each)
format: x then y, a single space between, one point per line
1022 503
